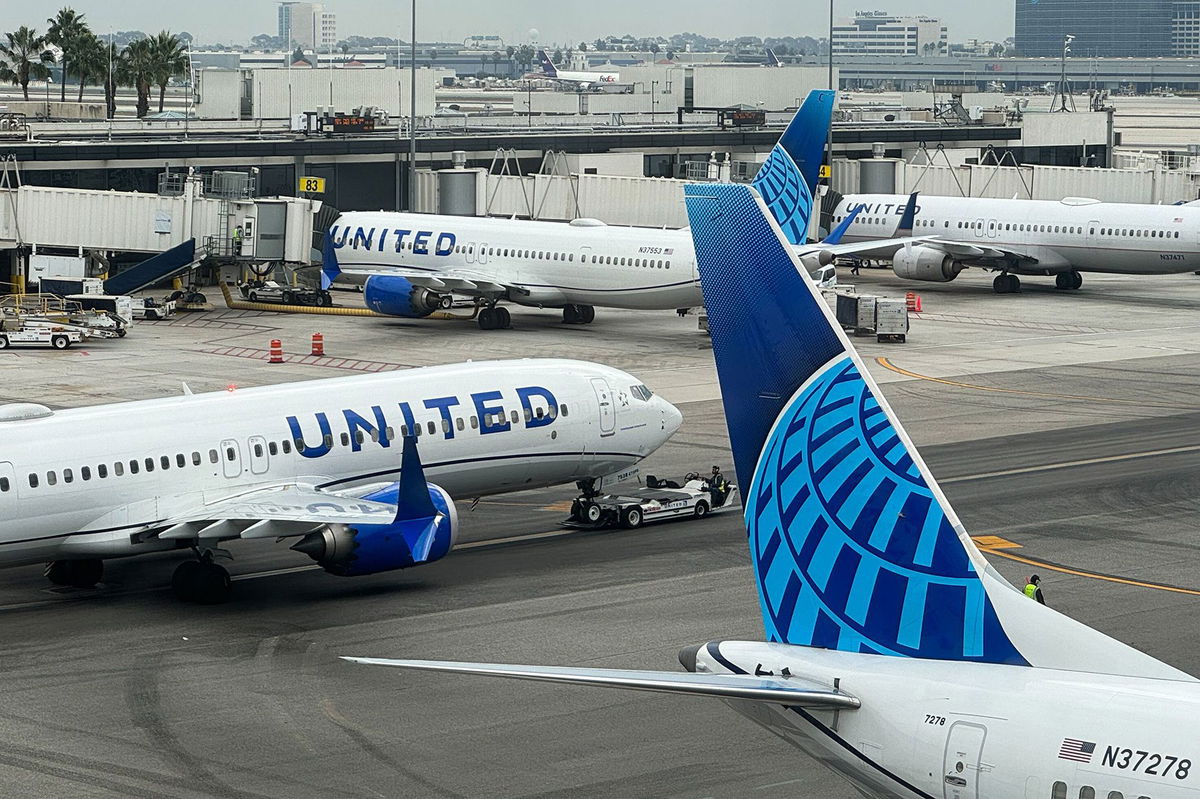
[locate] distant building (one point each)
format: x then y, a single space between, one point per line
1102 28
879 33
307 26
1185 28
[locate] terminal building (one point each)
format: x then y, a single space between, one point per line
880 33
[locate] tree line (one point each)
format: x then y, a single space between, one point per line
142 64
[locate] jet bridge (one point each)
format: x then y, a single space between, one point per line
241 228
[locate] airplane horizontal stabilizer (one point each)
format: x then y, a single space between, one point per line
790 691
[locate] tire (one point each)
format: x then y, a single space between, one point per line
587 314
58 572
287 298
185 580
3 342
60 342
701 509
576 510
446 302
631 517
122 332
214 585
1062 281
591 512
324 299
571 315
487 319
253 296
503 319
85 573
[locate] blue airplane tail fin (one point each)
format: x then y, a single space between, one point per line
772 59
787 181
853 543
546 64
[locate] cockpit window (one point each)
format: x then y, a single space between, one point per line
641 392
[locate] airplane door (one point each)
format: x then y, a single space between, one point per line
1093 233
960 769
482 257
608 413
979 226
259 460
8 483
231 458
585 254
993 228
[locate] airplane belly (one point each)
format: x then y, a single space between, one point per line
649 298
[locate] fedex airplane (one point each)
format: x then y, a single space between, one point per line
412 264
584 80
329 463
894 653
1018 238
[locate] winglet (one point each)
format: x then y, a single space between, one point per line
412 496
907 219
329 263
836 236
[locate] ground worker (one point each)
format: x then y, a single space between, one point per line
1032 589
237 240
717 487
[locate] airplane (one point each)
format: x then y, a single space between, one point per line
894 653
315 461
584 80
1018 238
414 264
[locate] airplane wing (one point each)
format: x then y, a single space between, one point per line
876 248
274 511
791 691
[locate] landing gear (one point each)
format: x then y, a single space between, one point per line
494 318
446 302
1006 284
75 573
201 581
1068 281
578 314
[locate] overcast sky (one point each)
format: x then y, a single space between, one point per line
561 21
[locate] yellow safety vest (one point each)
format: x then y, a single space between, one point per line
1031 590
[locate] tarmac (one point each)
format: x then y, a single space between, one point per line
1063 426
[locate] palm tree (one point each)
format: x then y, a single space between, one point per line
170 60
67 30
138 69
89 62
23 58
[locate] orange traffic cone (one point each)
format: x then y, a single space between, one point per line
276 351
917 306
318 343
910 299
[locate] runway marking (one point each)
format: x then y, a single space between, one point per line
491 542
887 364
1046 467
1108 578
994 542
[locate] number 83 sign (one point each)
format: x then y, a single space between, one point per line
311 185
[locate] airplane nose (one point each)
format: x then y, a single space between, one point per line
672 418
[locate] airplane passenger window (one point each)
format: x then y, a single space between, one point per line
258 450
102 471
3 483
212 456
165 461
272 449
1058 790
133 467
571 257
404 431
195 458
327 440
180 461
68 476
287 447
149 464
668 264
33 480
528 415
432 428
460 424
51 478
1115 795
562 409
359 437
85 472
119 468
230 454
1087 792
474 422
345 437
540 413
553 411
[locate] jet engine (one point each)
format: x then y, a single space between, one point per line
397 296
925 263
352 551
813 261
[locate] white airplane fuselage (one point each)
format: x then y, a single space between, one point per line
1087 236
554 263
958 730
89 482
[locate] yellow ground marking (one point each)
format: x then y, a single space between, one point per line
999 552
994 542
886 364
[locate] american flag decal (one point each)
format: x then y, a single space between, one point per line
1077 750
669 251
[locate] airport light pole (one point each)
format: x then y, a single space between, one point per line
653 102
412 115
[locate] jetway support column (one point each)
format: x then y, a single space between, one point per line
300 166
16 272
